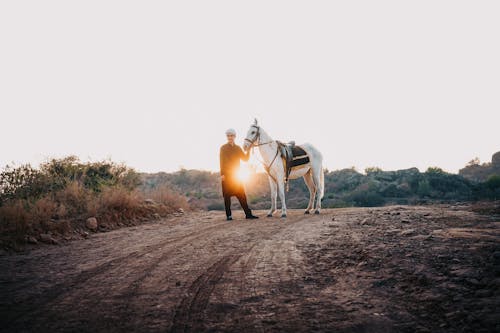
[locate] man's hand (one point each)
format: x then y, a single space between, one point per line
223 178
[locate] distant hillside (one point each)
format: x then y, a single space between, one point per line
343 188
481 172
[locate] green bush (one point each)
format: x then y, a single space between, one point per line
493 182
366 199
26 182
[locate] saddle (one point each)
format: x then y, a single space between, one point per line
292 156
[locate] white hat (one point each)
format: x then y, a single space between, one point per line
231 131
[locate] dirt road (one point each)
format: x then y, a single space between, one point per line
390 269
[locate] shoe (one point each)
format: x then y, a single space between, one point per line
252 217
229 218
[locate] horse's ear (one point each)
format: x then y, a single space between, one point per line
255 122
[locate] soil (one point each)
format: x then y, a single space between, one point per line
388 269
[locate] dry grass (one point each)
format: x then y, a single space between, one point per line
170 200
65 211
14 221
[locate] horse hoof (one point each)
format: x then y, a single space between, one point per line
269 215
316 212
283 215
307 212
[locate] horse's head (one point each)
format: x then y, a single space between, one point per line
253 135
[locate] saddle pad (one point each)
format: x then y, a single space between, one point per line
299 156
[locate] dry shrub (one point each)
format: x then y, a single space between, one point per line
116 204
74 199
14 218
59 197
170 200
44 209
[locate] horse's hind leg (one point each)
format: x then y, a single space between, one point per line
316 175
312 190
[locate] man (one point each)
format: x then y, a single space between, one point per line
230 156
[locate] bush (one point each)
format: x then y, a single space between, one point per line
26 182
22 182
63 193
366 199
493 182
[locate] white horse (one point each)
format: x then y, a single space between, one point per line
274 165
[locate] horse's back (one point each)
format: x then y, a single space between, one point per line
311 151
315 158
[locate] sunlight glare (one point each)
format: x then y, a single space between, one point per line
244 173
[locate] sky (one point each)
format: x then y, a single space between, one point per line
155 84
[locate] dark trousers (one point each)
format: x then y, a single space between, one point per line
242 198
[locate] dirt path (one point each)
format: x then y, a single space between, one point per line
390 269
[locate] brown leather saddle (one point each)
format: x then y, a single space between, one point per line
292 156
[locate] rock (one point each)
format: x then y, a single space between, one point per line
365 221
156 216
180 211
407 232
464 272
363 263
91 223
149 202
405 221
333 218
31 240
46 238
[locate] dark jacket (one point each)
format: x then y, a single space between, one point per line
230 156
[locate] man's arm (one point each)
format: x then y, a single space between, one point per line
244 157
221 159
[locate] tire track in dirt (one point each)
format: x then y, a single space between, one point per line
37 303
274 269
132 291
190 312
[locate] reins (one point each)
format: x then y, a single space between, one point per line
253 145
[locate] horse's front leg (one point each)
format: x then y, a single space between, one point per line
274 196
281 191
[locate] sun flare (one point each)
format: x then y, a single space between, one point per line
244 173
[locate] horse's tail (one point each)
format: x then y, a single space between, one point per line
322 182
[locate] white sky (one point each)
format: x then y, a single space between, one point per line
154 84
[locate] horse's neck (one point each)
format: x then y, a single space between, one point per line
268 147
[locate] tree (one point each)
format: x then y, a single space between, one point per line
372 170
434 170
474 162
493 182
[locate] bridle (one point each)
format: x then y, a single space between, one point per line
253 144
257 137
